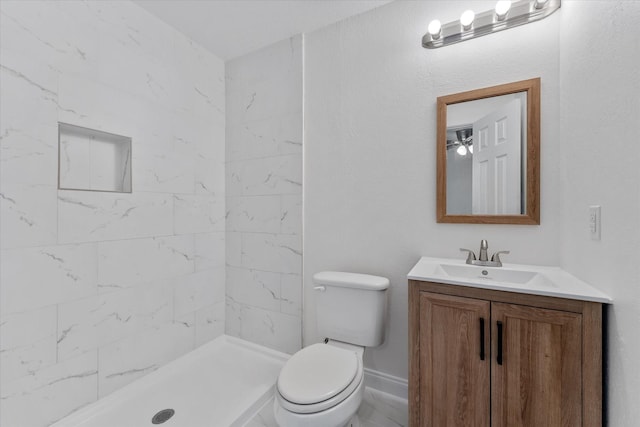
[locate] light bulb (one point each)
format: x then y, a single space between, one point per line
466 19
434 28
502 8
539 4
462 150
471 149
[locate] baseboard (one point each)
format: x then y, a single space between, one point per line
386 383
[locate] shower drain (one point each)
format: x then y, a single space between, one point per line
162 416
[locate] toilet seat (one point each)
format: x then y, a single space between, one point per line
318 377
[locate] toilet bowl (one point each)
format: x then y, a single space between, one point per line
321 386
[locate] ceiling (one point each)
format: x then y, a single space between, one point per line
232 28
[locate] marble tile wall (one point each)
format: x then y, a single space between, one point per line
264 196
98 289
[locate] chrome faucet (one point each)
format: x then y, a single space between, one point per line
482 255
483 259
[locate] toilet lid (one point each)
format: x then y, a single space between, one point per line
317 373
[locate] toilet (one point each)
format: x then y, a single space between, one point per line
322 385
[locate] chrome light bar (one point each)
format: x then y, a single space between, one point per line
491 21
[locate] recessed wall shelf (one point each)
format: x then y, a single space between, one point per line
93 160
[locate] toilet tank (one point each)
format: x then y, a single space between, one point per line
351 307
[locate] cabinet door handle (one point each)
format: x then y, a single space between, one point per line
482 338
499 358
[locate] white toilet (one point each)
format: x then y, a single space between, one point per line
322 384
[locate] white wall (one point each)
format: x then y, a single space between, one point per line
600 113
264 196
370 135
97 289
370 92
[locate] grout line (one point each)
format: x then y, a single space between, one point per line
97 372
57 333
303 150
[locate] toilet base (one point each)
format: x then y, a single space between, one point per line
333 417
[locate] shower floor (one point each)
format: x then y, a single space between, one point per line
223 383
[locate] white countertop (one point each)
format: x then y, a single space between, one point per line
529 279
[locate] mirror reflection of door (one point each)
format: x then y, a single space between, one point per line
486 161
496 162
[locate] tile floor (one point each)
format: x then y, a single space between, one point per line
378 409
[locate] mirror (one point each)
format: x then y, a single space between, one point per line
488 161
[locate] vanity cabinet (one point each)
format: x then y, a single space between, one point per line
481 357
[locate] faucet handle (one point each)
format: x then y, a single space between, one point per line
496 257
471 256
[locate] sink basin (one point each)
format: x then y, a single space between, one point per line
494 274
521 278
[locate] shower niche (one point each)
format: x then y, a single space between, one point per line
93 160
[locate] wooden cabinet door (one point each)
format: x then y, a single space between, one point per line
454 378
538 382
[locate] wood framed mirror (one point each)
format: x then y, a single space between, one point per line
488 155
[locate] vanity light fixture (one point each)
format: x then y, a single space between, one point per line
502 9
466 19
505 15
434 29
539 4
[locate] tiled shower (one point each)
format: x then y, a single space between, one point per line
102 287
264 196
